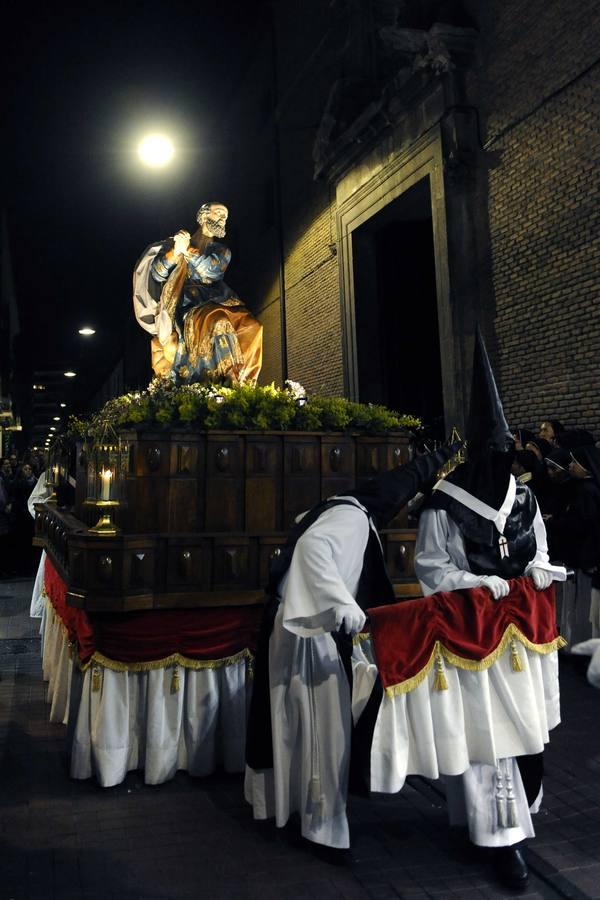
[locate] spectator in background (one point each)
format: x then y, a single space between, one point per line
530 470
550 430
574 536
22 524
559 477
585 468
6 473
522 437
540 447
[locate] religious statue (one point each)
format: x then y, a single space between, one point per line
201 331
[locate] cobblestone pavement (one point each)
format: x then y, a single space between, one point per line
195 838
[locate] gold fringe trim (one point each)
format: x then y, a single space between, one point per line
474 665
358 638
176 659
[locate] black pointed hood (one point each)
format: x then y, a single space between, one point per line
487 428
490 444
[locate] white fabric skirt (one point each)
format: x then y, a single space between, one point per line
57 665
136 721
482 717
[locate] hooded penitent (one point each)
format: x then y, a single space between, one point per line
382 498
494 514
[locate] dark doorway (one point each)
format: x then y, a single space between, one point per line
397 331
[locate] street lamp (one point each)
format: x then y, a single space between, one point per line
70 374
156 150
86 331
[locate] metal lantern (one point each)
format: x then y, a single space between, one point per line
106 469
57 469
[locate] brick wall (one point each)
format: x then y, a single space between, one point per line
539 94
313 308
535 89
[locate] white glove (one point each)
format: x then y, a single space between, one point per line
497 586
352 619
541 578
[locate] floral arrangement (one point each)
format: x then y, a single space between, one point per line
266 408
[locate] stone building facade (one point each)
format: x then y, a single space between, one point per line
410 169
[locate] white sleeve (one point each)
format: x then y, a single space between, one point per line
39 494
440 560
324 573
541 559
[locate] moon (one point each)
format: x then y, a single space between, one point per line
156 150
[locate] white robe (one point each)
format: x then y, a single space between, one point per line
39 494
311 706
441 565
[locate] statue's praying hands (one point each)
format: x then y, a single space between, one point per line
181 242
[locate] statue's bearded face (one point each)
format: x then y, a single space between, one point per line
213 220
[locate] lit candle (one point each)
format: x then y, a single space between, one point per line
105 475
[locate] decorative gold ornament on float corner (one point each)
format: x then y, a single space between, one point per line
106 468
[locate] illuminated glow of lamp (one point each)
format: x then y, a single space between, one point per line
105 475
56 418
87 331
70 374
156 150
52 428
63 405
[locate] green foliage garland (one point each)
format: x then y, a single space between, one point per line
265 408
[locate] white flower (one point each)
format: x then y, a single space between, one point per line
294 388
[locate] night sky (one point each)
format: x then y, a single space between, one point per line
85 84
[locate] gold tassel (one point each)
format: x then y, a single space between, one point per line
515 660
175 681
440 682
96 679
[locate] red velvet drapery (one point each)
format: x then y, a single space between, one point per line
468 624
153 635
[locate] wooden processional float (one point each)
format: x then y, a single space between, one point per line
199 515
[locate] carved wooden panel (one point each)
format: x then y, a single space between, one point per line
371 456
224 506
235 563
152 457
147 509
139 574
104 571
337 456
400 555
268 546
184 459
263 493
189 565
331 486
183 513
302 475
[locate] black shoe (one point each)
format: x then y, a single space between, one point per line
510 867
